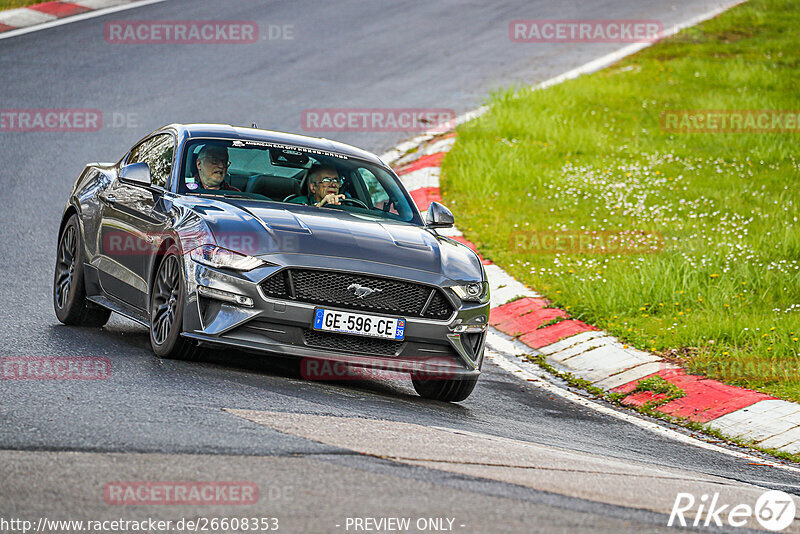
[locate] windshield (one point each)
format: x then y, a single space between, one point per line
297 175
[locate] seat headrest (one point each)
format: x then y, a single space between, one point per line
274 187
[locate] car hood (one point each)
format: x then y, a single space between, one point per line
263 229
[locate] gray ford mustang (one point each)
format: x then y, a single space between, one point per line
213 235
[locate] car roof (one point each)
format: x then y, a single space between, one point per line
226 131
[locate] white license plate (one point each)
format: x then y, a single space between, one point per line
359 324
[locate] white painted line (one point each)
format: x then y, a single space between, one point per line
538 378
24 17
604 61
586 68
83 16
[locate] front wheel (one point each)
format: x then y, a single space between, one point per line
167 298
69 290
447 390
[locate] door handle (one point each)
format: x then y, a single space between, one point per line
108 199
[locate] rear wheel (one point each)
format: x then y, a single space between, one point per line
447 390
167 298
69 290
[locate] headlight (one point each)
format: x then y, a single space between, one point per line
473 292
215 256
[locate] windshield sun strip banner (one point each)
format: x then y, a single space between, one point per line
281 146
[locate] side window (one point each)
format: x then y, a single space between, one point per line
157 153
376 191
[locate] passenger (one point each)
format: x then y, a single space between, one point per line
323 187
212 166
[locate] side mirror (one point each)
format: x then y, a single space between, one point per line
438 216
136 173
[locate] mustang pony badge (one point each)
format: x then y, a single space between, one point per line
362 291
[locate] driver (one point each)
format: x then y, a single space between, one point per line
212 166
323 187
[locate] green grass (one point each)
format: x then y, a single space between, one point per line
723 296
8 4
659 386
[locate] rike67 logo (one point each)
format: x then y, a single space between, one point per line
773 510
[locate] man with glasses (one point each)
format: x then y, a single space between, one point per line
212 166
323 187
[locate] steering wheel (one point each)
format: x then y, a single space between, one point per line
354 201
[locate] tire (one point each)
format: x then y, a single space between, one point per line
447 390
167 299
69 287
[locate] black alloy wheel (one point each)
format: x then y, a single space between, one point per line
69 290
167 298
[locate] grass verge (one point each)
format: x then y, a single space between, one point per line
693 241
9 4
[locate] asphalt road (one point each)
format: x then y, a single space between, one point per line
239 417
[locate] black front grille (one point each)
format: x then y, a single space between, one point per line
340 289
351 344
275 285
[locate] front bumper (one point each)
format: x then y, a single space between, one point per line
283 327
